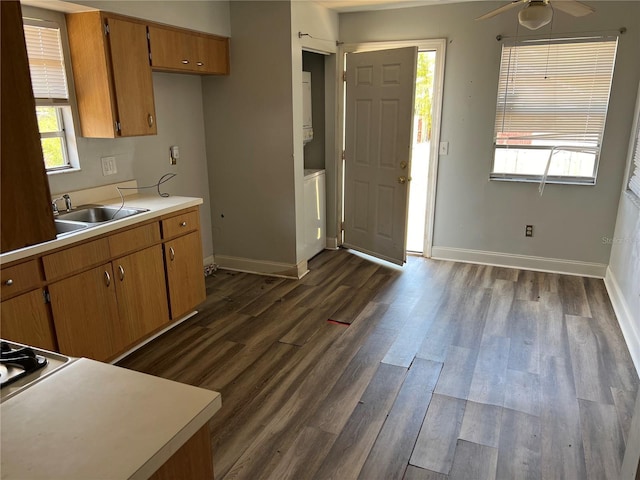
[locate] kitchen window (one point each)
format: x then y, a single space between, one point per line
552 105
51 92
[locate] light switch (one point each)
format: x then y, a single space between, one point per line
444 148
109 166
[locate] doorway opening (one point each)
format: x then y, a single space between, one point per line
415 236
420 152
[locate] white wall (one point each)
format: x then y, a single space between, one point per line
473 213
179 114
623 274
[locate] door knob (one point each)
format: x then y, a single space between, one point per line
403 165
402 180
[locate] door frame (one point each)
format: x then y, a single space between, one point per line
439 46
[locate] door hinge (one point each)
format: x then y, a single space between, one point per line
343 155
342 226
46 296
118 127
106 29
344 76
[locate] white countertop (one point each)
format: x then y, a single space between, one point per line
156 205
91 420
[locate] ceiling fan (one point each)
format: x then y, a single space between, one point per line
538 13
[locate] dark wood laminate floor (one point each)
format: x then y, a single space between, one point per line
437 370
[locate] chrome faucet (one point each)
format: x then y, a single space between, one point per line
67 204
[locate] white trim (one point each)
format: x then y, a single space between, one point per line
210 260
262 267
332 243
630 328
524 262
153 337
438 45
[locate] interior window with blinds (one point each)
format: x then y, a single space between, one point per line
634 180
48 76
552 105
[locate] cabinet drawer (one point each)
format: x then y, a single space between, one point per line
19 278
76 259
180 224
135 239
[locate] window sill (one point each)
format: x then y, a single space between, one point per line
66 170
550 180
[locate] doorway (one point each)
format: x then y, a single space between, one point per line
420 209
420 152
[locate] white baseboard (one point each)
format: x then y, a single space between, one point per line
525 262
208 260
630 328
261 267
332 243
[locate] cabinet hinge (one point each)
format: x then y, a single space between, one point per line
46 296
106 29
118 128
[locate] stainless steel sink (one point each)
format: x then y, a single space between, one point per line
64 228
94 214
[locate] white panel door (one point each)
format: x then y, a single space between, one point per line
378 129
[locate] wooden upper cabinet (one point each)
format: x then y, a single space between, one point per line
177 50
25 187
114 87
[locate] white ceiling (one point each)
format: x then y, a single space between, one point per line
366 5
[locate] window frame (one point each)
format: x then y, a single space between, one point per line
634 151
63 107
502 101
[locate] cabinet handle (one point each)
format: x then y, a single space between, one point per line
107 278
183 224
200 64
9 282
150 120
172 253
121 272
185 62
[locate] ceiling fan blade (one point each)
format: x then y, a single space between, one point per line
573 7
504 8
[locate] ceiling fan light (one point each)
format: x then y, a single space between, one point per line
535 15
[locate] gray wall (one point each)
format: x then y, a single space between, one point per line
314 152
179 113
472 212
249 138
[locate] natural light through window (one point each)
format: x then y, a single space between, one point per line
552 104
48 77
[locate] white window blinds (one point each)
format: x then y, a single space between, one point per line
634 182
46 62
554 93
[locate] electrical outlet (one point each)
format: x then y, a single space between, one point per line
528 231
444 148
109 166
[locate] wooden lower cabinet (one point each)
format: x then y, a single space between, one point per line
193 460
141 291
85 314
185 277
26 319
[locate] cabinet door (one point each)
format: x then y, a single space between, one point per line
132 77
26 319
25 187
185 274
141 292
85 315
172 49
212 55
